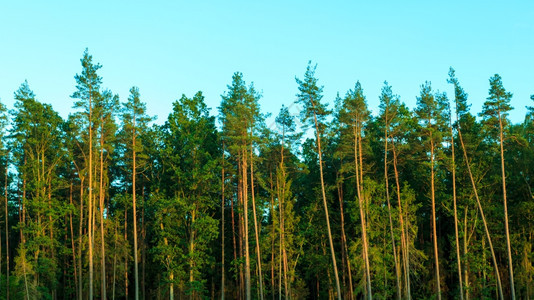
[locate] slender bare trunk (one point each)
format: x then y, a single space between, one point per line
90 186
258 253
143 244
434 230
72 244
233 235
497 275
245 228
126 257
272 237
101 194
405 245
222 226
22 236
362 214
397 271
80 241
287 290
508 248
344 240
114 263
332 252
136 271
459 261
466 275
7 233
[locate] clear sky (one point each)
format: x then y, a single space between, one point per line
170 48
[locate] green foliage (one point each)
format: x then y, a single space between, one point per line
178 189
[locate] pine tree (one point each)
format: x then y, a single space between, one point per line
87 92
239 112
495 111
462 118
354 114
430 113
309 97
389 106
135 122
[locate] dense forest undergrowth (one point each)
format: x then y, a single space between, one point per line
426 203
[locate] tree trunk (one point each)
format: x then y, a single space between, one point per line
222 226
344 240
90 186
255 220
282 218
114 263
101 194
7 233
338 288
272 236
136 271
405 245
466 275
501 296
397 271
72 244
143 244
459 261
245 213
241 234
126 257
508 248
434 230
80 242
233 237
362 214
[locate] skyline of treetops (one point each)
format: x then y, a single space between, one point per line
325 199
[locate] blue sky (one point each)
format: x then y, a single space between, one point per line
170 48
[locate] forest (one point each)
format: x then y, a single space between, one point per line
334 202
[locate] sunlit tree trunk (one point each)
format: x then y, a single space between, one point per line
318 136
245 227
134 175
344 241
405 245
359 191
80 243
7 233
101 202
282 199
498 277
126 257
509 250
91 229
459 261
256 231
434 230
74 262
114 263
397 271
222 227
